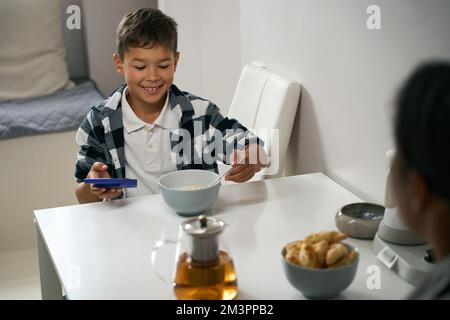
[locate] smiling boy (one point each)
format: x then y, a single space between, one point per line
149 127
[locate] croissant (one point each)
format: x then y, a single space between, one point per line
345 260
306 257
328 236
336 253
320 249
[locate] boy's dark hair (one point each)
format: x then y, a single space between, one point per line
422 125
146 28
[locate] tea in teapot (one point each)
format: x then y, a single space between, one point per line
204 269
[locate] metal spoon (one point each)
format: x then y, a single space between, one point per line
222 175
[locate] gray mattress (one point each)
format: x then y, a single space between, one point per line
61 111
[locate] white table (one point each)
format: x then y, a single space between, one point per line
102 250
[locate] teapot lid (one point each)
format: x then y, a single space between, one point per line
203 226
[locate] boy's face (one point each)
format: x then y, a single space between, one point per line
148 72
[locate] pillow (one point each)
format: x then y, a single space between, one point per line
32 55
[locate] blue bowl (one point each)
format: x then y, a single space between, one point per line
320 283
187 201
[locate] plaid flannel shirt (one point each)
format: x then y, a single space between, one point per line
101 137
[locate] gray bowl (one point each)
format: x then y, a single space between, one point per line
189 202
320 283
360 220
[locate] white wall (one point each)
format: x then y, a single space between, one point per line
349 75
101 18
209 45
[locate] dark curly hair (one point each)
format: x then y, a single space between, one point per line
422 125
146 28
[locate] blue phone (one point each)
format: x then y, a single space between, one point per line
112 182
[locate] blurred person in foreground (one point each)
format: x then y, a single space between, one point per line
421 168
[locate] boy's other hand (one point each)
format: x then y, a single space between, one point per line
100 170
245 163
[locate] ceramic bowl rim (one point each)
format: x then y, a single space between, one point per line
161 185
340 212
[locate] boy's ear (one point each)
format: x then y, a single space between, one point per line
118 63
177 57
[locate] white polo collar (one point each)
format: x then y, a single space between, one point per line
131 121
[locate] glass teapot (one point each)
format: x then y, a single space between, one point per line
204 269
